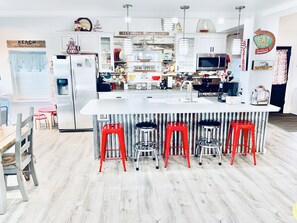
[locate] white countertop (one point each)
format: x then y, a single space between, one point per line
169 105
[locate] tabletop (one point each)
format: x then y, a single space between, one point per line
7 137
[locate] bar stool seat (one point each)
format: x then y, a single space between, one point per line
183 129
145 129
113 129
209 142
236 127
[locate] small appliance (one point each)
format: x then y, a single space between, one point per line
227 89
260 96
211 61
163 84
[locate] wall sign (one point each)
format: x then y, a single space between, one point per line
124 33
245 54
25 43
262 65
264 41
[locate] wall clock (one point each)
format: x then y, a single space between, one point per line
83 24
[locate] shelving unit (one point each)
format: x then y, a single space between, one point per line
142 65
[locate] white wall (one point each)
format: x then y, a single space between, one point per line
283 29
47 29
287 37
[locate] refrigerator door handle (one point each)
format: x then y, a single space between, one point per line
74 84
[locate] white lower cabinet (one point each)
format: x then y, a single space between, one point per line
145 94
113 95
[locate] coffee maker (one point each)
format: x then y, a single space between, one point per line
227 89
163 84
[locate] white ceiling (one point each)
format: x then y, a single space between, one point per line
141 8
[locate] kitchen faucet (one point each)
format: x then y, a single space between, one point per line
189 88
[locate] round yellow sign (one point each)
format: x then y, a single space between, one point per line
294 211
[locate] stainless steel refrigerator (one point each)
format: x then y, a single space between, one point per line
75 85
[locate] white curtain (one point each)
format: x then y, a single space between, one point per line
280 68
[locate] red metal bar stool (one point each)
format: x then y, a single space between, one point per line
179 127
236 127
113 129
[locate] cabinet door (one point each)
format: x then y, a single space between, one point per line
64 41
88 43
106 57
186 62
220 44
113 95
206 44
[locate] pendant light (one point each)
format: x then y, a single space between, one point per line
236 44
168 24
128 45
183 43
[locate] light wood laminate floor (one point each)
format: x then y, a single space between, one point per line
71 189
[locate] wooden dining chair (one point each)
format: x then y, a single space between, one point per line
21 162
4 115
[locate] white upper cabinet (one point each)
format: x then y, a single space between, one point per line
106 56
92 42
211 43
186 62
65 39
87 42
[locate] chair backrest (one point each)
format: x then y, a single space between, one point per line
4 115
24 139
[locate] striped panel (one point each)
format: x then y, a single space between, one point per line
195 132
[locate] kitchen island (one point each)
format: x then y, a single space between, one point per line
131 111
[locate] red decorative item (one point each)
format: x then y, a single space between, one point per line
71 47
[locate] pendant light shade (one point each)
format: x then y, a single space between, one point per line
236 46
168 24
127 44
237 42
183 43
183 46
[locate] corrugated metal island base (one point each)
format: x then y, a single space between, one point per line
160 111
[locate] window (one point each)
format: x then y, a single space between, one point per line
30 75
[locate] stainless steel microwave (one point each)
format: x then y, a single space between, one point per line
211 61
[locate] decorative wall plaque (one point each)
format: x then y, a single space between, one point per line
126 33
245 54
25 43
264 41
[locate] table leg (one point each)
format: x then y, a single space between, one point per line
3 198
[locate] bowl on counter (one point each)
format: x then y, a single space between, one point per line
156 77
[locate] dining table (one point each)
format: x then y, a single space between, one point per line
7 140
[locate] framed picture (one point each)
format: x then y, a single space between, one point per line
262 65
